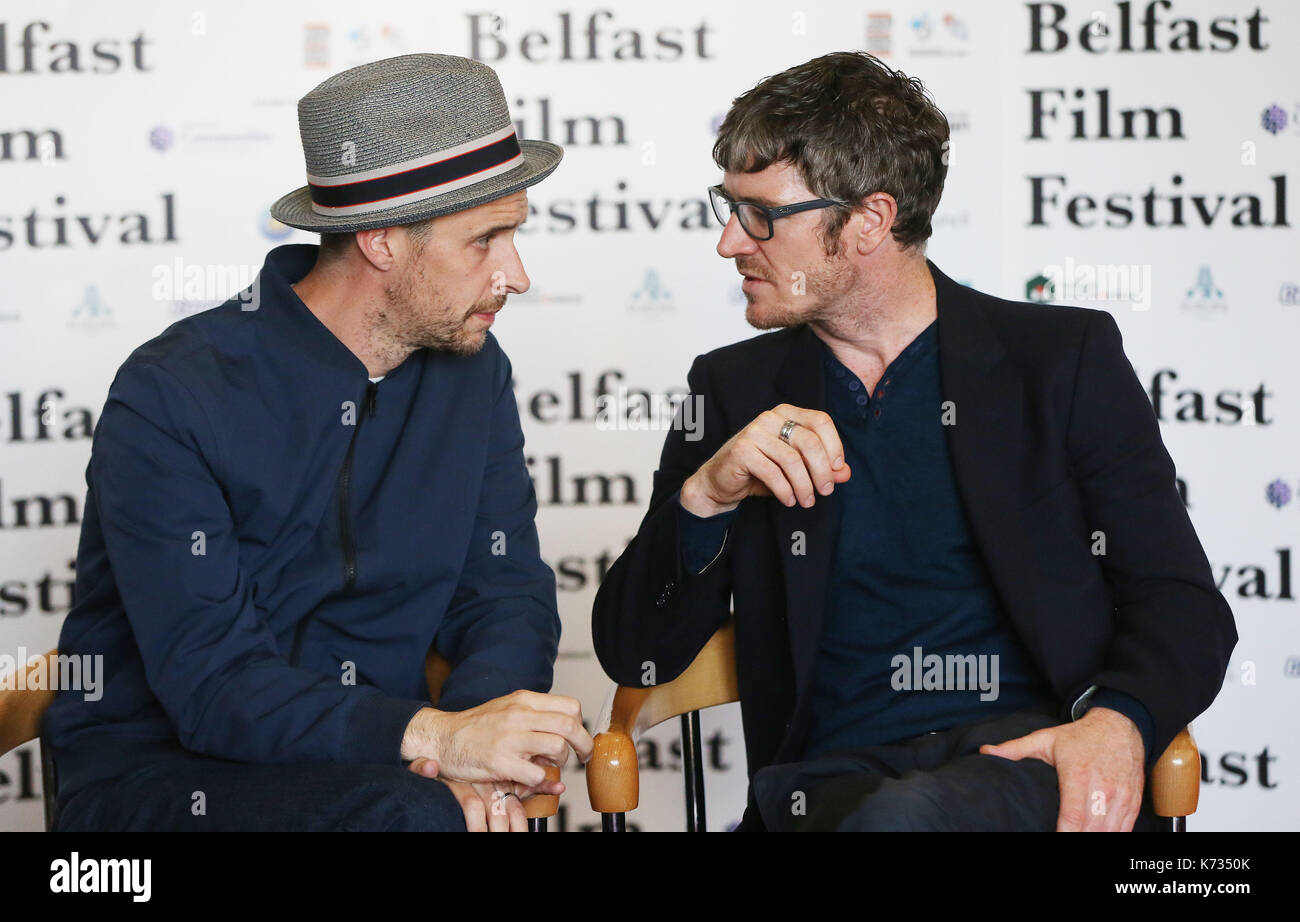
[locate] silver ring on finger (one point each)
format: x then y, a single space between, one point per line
787 430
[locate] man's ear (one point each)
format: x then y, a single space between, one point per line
874 219
377 245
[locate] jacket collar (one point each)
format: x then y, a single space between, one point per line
963 325
288 328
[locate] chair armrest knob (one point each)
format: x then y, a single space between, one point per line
543 806
1176 778
613 781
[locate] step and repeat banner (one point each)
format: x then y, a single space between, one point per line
1139 157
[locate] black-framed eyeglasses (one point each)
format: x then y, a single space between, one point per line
755 219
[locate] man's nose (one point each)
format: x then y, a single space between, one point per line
734 241
510 277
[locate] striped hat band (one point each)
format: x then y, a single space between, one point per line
445 171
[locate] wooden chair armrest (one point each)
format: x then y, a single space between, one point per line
613 779
436 669
22 707
544 806
1176 777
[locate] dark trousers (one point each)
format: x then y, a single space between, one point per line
189 792
933 782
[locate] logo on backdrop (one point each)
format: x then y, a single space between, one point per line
1040 289
272 229
939 35
1278 493
1274 120
91 312
652 294
880 34
1204 297
316 45
161 138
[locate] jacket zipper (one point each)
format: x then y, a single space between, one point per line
345 479
346 541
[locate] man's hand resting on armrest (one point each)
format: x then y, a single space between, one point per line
500 747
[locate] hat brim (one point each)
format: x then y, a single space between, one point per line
540 160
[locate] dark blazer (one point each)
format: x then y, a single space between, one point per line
1054 440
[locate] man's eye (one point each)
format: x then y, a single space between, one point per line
485 240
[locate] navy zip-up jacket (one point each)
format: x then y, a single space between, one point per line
272 542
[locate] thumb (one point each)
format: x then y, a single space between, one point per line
1033 746
427 768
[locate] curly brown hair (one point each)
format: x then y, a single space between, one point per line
852 126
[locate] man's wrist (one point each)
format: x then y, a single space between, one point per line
1110 699
1109 713
694 501
423 736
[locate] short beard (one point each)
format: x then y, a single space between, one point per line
419 319
824 287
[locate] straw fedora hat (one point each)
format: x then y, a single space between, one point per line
408 138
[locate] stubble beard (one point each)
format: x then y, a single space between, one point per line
824 287
418 317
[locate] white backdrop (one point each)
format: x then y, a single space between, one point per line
141 143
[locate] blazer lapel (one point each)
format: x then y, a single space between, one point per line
813 531
984 396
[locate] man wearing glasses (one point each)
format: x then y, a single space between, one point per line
966 592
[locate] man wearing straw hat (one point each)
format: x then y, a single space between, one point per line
294 495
